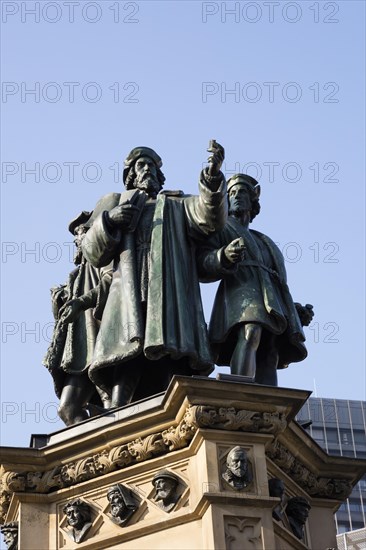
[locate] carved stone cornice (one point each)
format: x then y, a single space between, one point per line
315 486
229 418
138 450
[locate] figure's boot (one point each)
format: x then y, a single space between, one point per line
71 414
76 393
243 359
125 384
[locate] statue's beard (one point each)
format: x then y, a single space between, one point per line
239 472
147 183
118 510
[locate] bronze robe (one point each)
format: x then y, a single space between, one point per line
72 346
253 291
171 322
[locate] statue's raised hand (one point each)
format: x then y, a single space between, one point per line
216 159
234 252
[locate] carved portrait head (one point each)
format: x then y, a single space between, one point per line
143 171
78 515
123 505
237 473
243 194
297 511
10 534
276 487
166 483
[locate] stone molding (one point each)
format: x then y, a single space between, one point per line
175 437
138 450
315 486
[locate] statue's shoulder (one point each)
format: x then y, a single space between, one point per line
107 202
264 238
270 245
173 193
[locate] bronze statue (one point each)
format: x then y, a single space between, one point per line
10 533
297 511
153 323
237 473
122 502
78 518
255 325
166 483
77 308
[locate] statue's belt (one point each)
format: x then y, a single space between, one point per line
143 246
253 263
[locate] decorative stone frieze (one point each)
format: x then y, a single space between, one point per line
315 486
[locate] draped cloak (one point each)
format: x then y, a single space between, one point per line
252 291
171 323
72 346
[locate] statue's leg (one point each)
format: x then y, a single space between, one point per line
267 362
243 359
126 379
105 399
76 393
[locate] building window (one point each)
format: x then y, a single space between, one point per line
329 411
318 435
332 435
357 525
343 415
346 437
356 415
315 412
355 507
362 484
360 438
343 527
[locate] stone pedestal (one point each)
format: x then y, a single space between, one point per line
188 431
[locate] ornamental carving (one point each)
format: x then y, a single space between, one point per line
243 532
315 486
138 450
148 447
229 418
178 437
174 438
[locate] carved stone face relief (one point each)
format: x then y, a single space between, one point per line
123 504
276 488
166 484
78 515
10 534
297 511
237 473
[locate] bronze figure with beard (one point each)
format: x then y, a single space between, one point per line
166 484
237 473
153 324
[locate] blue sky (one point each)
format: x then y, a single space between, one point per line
279 84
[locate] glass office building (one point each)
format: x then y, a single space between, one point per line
339 426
